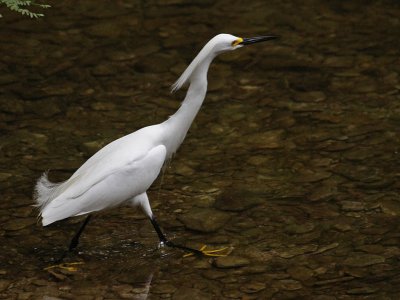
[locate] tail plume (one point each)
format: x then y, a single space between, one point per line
45 191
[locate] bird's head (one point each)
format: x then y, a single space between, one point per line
220 43
226 42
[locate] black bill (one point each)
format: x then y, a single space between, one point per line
258 39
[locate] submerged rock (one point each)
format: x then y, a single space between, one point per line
272 139
204 219
363 260
289 284
362 291
237 200
253 287
4 284
225 262
299 228
352 206
18 224
390 206
300 273
163 289
184 293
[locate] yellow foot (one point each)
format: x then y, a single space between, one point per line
71 267
212 253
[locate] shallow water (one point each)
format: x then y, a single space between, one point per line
294 155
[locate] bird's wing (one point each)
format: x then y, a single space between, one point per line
110 189
106 161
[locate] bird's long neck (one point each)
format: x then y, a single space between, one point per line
179 123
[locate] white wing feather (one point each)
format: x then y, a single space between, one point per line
122 155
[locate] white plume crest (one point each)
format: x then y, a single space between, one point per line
205 52
185 77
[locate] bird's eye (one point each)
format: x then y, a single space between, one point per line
237 42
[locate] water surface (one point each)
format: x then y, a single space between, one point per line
295 153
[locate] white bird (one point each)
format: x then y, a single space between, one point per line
123 170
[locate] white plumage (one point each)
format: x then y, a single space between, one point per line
118 172
122 171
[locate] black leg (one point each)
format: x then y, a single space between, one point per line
75 240
157 228
168 243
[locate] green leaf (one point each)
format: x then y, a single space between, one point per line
22 7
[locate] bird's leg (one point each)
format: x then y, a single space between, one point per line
75 240
157 228
73 244
165 241
202 251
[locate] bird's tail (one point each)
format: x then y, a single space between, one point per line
45 191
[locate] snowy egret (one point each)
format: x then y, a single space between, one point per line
123 170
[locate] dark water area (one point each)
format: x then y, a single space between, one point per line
292 162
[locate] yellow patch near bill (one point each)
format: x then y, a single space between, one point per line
237 42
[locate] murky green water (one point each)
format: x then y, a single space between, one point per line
295 154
